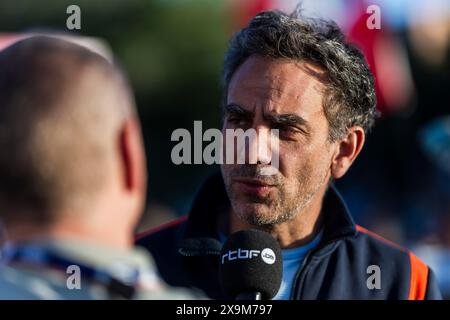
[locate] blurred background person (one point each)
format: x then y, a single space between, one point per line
73 177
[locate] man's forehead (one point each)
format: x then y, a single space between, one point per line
279 85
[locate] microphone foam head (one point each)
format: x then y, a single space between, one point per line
251 261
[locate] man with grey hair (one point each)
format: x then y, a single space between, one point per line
297 75
72 177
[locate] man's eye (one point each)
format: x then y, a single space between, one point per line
286 129
237 121
289 129
290 132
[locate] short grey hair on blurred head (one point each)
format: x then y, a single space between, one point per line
61 110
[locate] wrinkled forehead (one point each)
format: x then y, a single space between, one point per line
278 85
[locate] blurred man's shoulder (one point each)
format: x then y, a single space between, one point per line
13 285
29 284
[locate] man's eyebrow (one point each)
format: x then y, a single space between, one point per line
288 119
233 108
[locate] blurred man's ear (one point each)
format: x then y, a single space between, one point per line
347 150
133 157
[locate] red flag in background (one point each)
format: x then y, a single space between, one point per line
243 11
388 62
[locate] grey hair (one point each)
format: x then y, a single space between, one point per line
349 97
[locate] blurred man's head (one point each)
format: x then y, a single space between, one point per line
296 75
71 157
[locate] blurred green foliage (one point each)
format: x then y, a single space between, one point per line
172 51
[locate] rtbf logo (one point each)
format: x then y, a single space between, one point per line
267 255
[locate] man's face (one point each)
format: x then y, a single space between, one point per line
281 94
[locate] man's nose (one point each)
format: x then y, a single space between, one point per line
258 150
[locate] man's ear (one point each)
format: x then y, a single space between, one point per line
347 150
132 156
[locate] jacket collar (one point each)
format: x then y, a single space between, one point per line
201 232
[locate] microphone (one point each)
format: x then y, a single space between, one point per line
251 266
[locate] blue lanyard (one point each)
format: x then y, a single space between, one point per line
38 256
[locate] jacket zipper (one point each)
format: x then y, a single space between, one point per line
297 275
305 261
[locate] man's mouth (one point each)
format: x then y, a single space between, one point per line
253 186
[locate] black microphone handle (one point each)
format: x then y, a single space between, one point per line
249 296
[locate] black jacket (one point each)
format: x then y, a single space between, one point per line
187 250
